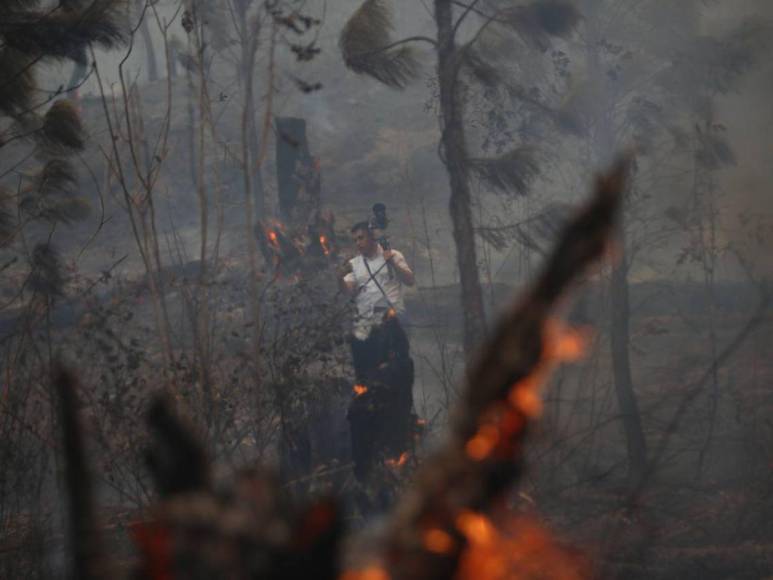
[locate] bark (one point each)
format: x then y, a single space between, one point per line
258 191
201 320
455 158
250 137
191 132
150 51
604 146
86 543
704 202
619 338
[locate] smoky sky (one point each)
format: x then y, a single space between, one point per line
746 113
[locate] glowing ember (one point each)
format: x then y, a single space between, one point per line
483 443
398 462
273 238
476 527
527 401
564 344
359 390
438 541
370 573
494 434
324 244
523 550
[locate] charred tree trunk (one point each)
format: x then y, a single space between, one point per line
619 338
291 152
604 145
150 50
191 129
455 158
250 138
704 190
258 190
88 557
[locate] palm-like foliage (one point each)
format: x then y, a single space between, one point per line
365 44
368 48
513 171
537 23
33 34
61 130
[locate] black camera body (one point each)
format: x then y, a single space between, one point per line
378 224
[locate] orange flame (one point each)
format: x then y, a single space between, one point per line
324 244
523 550
273 238
369 573
476 527
564 344
483 443
495 433
359 390
397 462
437 541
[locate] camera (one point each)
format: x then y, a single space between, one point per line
378 224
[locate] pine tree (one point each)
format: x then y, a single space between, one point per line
461 27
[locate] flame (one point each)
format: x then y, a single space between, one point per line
565 344
359 390
397 462
156 545
437 541
369 573
523 550
476 527
273 238
498 429
324 244
483 443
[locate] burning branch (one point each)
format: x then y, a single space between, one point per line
439 522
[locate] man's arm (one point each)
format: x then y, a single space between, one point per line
346 280
402 270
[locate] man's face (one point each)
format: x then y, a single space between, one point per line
363 241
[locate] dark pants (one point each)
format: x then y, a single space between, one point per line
381 418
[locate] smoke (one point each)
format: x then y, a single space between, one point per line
747 208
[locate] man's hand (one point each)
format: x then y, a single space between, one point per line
404 274
344 269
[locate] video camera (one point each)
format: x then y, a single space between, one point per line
378 224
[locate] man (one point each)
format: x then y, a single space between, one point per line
375 277
380 415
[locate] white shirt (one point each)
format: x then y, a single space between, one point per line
371 302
